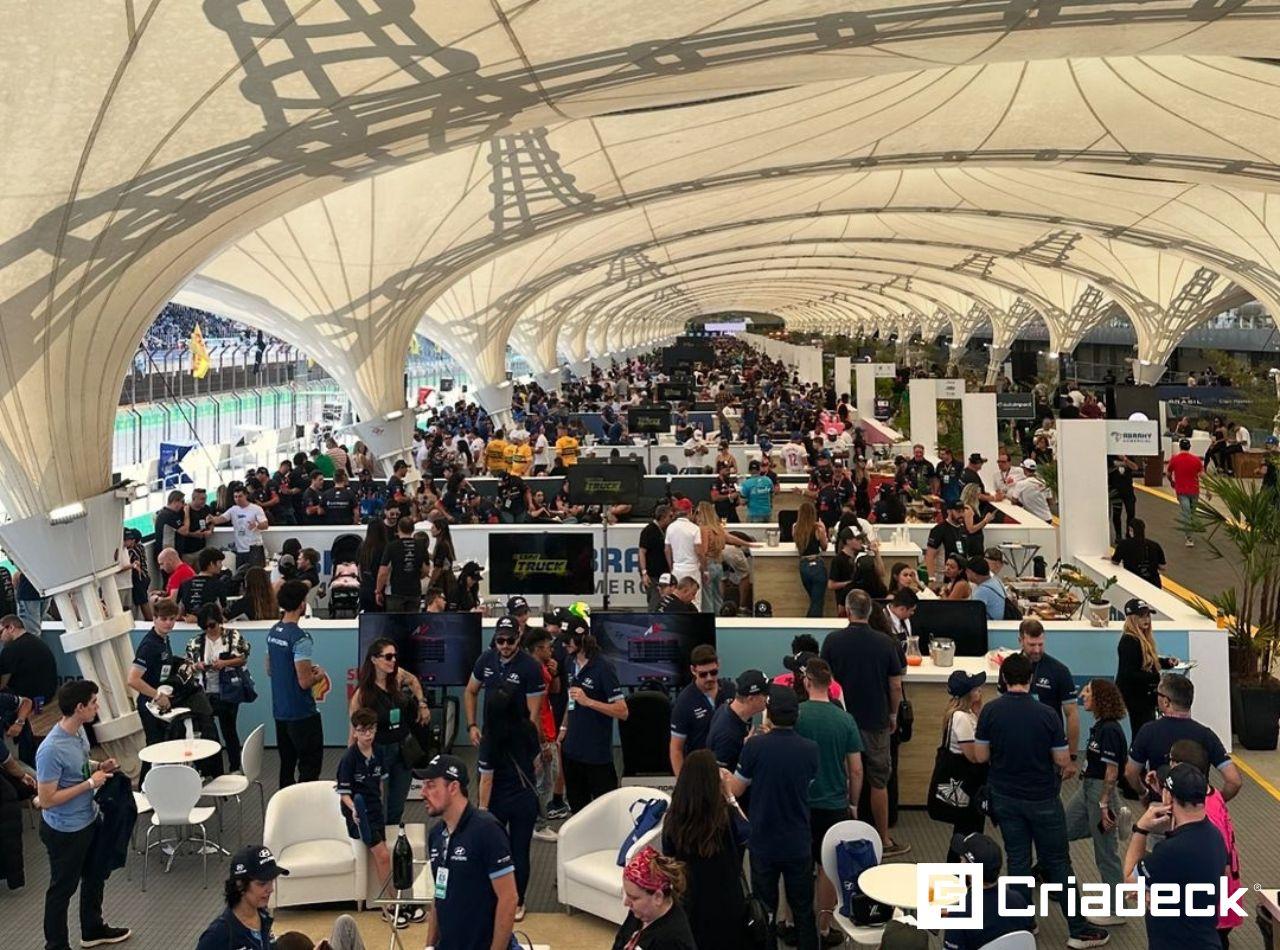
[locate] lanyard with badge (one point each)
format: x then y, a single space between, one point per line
442 866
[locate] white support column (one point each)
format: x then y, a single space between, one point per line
389 438
1147 372
1082 496
978 423
923 395
496 400
996 355
75 563
843 375
864 375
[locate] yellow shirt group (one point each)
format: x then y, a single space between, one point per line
567 449
519 458
495 455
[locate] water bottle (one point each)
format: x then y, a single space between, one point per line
402 862
189 740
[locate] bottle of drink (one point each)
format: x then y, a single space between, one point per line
189 740
402 862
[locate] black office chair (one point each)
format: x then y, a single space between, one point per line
645 734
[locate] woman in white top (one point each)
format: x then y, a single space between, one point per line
962 767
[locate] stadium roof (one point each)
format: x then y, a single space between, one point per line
574 179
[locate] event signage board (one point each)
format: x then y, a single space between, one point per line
884 370
1201 401
1133 437
950 388
1011 406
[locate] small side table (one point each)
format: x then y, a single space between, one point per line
422 894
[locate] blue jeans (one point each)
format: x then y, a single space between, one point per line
763 518
1083 815
399 775
1188 505
1043 823
813 573
712 592
32 614
797 876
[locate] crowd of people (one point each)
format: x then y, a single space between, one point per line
766 762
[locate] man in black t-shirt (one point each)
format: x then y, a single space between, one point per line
404 564
341 506
513 499
205 588
28 669
197 527
680 598
298 481
263 494
725 495
945 539
857 564
395 484
653 554
919 472
169 521
283 485
313 500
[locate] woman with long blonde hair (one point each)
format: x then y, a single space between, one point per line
711 553
1139 664
810 536
974 522
962 766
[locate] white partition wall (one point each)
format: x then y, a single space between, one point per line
978 423
843 376
1082 494
923 394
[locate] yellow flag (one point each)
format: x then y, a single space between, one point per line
415 347
199 354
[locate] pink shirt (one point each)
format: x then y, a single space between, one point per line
1215 810
789 679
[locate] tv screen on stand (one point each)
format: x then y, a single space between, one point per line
651 649
440 649
542 563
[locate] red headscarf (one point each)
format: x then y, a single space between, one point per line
644 873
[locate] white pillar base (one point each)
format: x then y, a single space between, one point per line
1146 372
995 360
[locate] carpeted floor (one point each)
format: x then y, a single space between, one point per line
175 908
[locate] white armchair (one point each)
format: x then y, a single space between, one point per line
587 872
305 831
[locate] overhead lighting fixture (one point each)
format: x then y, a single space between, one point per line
393 415
66 514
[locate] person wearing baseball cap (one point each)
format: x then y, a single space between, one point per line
731 722
757 489
778 767
977 848
1192 856
857 565
946 538
245 922
682 538
475 884
972 475
691 713
1031 492
504 662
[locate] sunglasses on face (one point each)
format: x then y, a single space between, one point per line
708 674
505 640
386 656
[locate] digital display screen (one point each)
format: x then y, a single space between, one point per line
648 419
439 649
542 563
652 648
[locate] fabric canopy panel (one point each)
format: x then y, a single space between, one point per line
574 178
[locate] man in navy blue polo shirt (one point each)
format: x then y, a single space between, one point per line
475 884
1051 684
1024 742
1150 747
504 662
299 731
731 723
778 768
697 702
1192 854
586 736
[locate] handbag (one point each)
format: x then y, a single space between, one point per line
236 685
906 721
951 793
415 755
755 925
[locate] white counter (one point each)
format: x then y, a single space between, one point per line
930 672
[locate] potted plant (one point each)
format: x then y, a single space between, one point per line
1093 601
1241 525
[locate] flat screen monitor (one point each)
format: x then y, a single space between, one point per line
542 563
649 419
439 649
651 649
964 621
675 392
594 483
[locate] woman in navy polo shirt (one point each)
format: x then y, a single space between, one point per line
595 699
505 761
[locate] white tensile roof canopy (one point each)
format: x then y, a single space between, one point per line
574 179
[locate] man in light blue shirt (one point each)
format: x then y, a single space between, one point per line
758 490
986 588
66 780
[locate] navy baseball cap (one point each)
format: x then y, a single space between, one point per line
752 683
1187 784
506 625
517 604
257 863
443 766
977 848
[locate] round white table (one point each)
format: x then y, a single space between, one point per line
174 751
892 884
